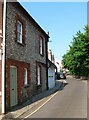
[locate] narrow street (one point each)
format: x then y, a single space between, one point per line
71 102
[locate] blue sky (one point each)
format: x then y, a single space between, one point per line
61 19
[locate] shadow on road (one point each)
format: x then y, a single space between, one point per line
58 87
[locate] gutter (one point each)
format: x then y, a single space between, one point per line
22 9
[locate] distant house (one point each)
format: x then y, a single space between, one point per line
51 70
58 65
26 56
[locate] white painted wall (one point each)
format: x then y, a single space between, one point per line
51 77
58 64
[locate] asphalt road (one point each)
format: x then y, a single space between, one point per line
71 102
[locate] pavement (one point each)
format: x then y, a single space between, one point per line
21 109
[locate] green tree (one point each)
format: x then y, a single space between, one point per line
77 58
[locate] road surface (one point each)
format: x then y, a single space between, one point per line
71 102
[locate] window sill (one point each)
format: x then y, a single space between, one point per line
41 55
22 44
25 86
39 85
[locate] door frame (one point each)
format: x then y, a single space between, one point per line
16 85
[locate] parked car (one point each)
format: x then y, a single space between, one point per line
61 75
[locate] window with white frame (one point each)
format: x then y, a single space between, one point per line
19 32
25 76
41 46
38 75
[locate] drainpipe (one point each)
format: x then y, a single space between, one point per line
47 40
3 58
47 64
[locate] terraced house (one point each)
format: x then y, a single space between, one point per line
26 56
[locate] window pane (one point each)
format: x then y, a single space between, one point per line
40 46
38 76
20 38
19 30
25 76
19 27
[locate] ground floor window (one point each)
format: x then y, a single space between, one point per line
39 72
25 76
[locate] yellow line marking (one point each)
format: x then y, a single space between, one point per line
33 104
41 105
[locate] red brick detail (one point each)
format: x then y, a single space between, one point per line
20 77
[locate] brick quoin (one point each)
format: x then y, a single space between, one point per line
20 78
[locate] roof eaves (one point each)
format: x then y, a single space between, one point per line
52 63
21 7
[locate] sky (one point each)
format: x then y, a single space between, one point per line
61 19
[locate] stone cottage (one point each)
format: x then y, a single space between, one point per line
26 56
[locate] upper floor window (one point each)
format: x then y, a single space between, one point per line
41 46
20 30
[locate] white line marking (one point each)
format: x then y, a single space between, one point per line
41 105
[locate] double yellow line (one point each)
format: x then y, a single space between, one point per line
41 106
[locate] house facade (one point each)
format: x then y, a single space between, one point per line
26 56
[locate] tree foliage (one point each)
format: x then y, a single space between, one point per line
77 58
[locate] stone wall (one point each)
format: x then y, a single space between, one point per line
28 53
